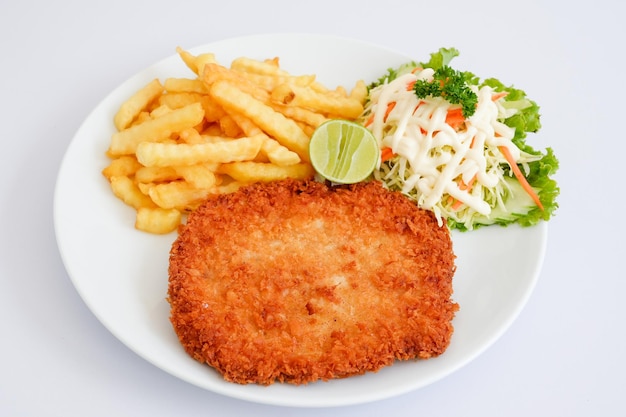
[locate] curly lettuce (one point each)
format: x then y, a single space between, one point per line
524 117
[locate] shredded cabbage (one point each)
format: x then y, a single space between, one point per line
456 168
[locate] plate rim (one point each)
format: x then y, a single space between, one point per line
58 213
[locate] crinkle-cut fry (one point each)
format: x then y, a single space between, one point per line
188 58
294 95
300 114
359 91
205 59
195 63
126 166
218 137
141 117
213 112
179 100
178 195
275 124
126 190
249 172
190 136
137 103
146 175
199 175
213 73
126 141
273 61
269 82
245 64
230 127
157 220
227 188
157 112
212 129
340 91
180 154
307 129
278 154
246 125
184 85
144 187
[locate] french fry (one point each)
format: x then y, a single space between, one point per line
178 195
204 59
142 117
191 136
246 125
144 187
359 91
249 172
284 130
153 154
157 220
125 142
213 73
300 114
184 85
124 166
156 174
188 59
198 176
227 188
195 63
213 112
294 95
184 139
138 102
278 154
229 126
212 129
179 99
161 110
125 189
269 82
248 65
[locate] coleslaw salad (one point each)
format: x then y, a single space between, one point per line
456 145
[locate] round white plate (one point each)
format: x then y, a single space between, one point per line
121 273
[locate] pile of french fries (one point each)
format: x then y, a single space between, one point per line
180 140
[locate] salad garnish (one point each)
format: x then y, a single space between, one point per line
457 145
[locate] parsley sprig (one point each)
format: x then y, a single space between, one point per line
450 85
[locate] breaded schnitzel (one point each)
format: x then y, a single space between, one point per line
296 281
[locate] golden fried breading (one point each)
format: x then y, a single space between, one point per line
296 281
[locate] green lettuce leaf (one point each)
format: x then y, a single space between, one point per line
520 208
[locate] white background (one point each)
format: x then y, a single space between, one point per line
563 356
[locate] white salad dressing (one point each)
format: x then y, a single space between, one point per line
438 164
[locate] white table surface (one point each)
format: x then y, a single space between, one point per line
563 356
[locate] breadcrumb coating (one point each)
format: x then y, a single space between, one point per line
297 281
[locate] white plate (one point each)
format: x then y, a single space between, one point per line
121 273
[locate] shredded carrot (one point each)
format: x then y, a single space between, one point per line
390 107
498 96
456 205
414 70
417 106
462 186
410 85
520 177
386 154
455 118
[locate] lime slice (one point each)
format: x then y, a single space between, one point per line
343 152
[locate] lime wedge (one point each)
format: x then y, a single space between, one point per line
343 152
